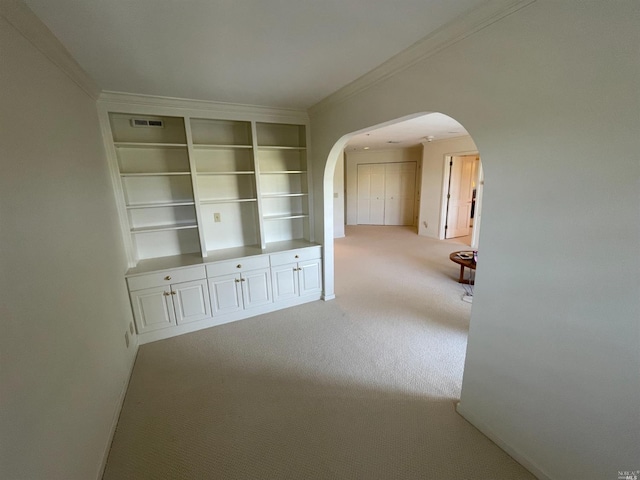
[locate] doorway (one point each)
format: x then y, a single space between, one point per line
462 197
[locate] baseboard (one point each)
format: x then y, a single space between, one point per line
116 414
488 432
328 297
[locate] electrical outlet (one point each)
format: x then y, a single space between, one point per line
131 328
216 217
126 338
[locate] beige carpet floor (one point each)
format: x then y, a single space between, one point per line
361 387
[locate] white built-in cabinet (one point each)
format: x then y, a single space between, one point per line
207 204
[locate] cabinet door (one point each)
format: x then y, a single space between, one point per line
225 293
256 288
191 301
153 309
310 276
285 281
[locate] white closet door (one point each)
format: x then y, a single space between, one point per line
400 182
371 191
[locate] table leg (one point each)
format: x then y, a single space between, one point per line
461 280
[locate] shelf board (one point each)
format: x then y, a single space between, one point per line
205 146
280 195
279 147
154 174
160 204
288 216
148 145
282 172
163 228
227 200
242 172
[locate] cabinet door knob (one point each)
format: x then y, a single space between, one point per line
173 293
297 256
239 265
242 279
166 294
168 277
237 280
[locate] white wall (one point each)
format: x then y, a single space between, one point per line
64 302
550 95
338 198
433 158
355 158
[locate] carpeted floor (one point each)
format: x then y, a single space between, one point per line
361 387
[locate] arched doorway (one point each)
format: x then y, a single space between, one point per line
440 140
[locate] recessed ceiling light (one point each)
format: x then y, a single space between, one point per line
366 148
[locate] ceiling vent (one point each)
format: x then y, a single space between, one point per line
145 122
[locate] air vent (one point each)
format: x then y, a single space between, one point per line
144 122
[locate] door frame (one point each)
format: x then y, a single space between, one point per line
445 190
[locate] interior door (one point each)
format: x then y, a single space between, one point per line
400 185
460 196
371 192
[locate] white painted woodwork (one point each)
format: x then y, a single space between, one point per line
256 288
371 179
399 202
285 281
191 301
296 279
206 185
226 294
240 291
310 276
153 309
166 277
460 195
386 193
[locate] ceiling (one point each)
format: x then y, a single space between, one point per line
279 53
409 133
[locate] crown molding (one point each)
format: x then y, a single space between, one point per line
447 35
17 14
218 109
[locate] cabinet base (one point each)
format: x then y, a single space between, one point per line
174 331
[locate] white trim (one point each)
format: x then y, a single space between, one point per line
135 103
31 27
447 35
118 410
517 456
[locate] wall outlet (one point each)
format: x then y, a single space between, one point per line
425 224
216 217
131 328
126 338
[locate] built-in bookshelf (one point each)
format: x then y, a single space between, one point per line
155 174
282 160
204 186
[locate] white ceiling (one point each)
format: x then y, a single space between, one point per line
431 127
280 53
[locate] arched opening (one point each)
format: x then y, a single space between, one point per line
443 142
